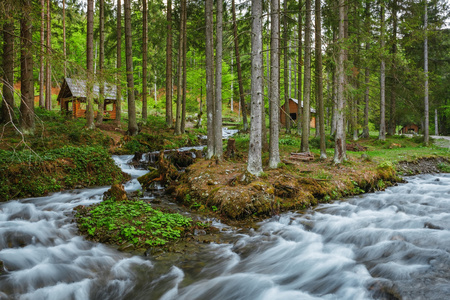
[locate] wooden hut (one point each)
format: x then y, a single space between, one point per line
293 107
411 128
72 98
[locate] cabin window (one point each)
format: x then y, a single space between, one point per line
293 116
109 107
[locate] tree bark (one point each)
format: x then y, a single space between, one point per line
209 53
48 90
184 89
119 64
299 66
169 115
436 129
286 71
144 58
392 108
239 71
365 133
426 135
90 65
64 38
180 70
318 65
274 151
307 80
254 165
42 57
339 149
101 62
26 70
218 146
8 68
132 124
382 135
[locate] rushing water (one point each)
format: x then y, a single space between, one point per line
388 243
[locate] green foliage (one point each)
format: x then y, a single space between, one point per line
315 143
133 222
444 167
26 173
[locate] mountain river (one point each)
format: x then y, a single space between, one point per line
393 244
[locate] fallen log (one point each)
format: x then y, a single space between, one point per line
303 156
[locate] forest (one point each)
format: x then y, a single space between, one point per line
351 66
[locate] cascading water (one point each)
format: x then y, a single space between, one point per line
381 245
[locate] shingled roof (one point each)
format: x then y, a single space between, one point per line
76 88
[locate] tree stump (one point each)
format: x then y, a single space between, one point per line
231 148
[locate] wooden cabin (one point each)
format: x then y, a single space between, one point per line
411 128
293 107
72 98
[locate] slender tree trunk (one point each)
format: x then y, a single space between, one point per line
209 53
254 165
218 150
48 91
307 80
90 65
42 57
8 68
319 84
426 134
144 58
264 143
436 129
382 135
119 64
26 70
180 71
64 38
286 71
274 151
169 116
184 89
238 66
299 66
101 62
365 133
132 123
339 150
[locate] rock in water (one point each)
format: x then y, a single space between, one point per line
117 192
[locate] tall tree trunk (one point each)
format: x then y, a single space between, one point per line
169 115
144 58
132 123
365 133
64 38
8 68
436 129
42 57
48 90
286 71
90 65
209 53
180 71
274 151
307 80
382 135
254 165
238 66
426 135
319 84
339 148
119 64
299 66
392 108
26 70
101 61
218 150
184 88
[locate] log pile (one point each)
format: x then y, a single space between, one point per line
302 156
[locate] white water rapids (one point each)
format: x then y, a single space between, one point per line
377 246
